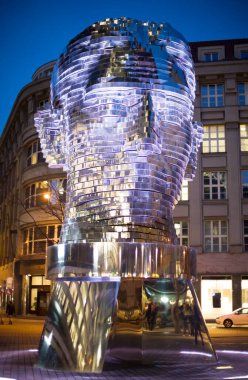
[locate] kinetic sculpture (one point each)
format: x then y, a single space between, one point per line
120 124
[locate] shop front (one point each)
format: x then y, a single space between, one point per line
32 290
216 296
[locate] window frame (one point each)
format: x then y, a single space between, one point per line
34 154
183 238
245 236
215 186
211 56
244 184
184 195
39 236
242 89
40 193
212 95
243 134
214 239
244 54
213 134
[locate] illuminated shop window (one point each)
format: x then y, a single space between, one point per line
214 139
185 191
39 280
37 239
244 137
244 287
34 154
243 93
212 95
211 57
215 236
40 193
214 185
216 296
182 231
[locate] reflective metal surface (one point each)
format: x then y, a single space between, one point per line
120 259
75 335
153 321
120 123
158 321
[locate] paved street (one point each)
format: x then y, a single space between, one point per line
18 354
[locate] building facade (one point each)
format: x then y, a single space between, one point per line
30 218
212 214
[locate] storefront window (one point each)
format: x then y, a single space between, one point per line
33 299
244 286
37 280
39 295
216 296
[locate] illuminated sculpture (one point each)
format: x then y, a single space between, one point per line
120 124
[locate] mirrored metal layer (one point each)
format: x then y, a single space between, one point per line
154 320
107 260
120 123
75 334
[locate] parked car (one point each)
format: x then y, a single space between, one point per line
237 317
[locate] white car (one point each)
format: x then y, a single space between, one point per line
237 317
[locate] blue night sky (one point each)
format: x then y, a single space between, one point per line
35 32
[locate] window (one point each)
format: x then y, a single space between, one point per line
43 103
212 95
215 236
211 53
244 287
214 139
57 190
184 196
214 185
243 93
37 239
241 51
35 194
244 54
246 235
40 193
211 57
244 137
182 231
34 154
244 181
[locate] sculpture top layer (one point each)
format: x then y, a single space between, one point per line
120 124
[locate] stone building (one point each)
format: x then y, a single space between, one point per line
213 218
212 214
28 223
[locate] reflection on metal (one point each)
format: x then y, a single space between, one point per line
78 324
120 259
155 320
158 321
120 123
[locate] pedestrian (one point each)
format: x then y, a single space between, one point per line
10 311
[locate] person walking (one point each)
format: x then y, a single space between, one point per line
10 311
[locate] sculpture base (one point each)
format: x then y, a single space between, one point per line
96 320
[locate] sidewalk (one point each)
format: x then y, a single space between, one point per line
19 350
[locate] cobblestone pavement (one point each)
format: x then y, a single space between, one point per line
18 355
